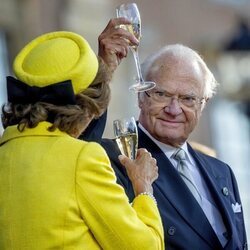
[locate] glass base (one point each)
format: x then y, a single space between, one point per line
140 87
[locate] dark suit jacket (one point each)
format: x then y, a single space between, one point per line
185 224
95 129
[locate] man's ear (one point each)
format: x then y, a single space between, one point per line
140 98
204 103
139 103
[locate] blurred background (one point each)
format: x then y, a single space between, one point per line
218 29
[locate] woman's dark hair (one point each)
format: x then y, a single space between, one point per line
90 103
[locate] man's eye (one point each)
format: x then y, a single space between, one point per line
159 93
189 98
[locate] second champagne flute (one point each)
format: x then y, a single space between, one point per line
125 131
131 12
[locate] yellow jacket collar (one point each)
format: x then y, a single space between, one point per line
41 129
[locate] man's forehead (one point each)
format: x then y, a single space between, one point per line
176 68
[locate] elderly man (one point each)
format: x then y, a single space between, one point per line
197 195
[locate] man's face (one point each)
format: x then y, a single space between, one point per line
169 119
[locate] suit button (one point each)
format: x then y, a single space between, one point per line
171 231
225 234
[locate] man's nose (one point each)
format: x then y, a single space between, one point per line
173 108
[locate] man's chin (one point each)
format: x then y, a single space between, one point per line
172 139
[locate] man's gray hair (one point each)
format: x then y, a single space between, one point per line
179 51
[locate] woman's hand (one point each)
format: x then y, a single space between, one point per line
142 172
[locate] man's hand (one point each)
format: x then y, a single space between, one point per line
114 42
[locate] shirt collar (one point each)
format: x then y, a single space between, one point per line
168 150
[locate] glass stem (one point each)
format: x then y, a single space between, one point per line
137 64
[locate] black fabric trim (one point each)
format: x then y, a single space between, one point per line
61 93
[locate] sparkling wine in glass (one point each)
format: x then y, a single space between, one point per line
125 131
131 12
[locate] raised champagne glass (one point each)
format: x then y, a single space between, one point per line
131 12
125 131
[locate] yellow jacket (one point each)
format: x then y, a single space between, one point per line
57 192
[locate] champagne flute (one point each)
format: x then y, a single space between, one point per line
125 131
131 12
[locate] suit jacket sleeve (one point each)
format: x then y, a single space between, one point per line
239 219
106 210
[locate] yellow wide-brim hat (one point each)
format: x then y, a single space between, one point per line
56 57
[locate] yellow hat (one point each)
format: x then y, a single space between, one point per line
56 57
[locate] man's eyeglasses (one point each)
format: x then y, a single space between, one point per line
188 101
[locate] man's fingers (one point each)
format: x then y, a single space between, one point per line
114 32
119 21
114 42
114 23
126 35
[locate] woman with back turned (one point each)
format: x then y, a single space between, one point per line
58 192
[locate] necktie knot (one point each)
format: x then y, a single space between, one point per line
180 155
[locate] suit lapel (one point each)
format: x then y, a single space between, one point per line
170 185
215 182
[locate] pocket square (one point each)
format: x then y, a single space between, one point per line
236 207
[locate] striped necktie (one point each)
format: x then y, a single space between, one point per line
184 172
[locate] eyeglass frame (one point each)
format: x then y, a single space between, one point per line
169 97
